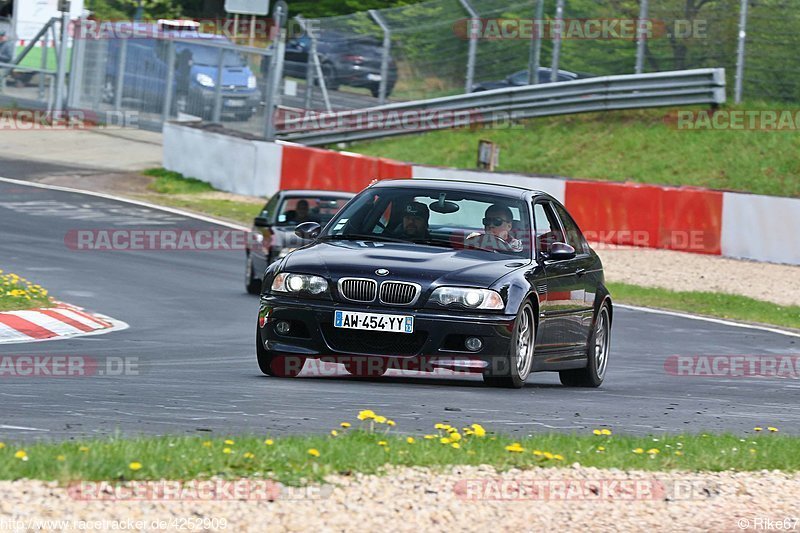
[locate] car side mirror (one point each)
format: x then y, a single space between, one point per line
561 251
308 230
261 222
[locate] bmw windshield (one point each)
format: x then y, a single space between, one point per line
452 219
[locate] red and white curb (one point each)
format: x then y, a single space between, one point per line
59 322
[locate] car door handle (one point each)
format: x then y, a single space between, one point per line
580 272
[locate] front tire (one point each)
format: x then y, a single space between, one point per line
252 284
514 369
597 350
277 365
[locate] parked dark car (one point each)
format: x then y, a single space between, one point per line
195 79
494 271
345 59
274 227
521 78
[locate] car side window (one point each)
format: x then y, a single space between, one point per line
269 209
574 236
548 230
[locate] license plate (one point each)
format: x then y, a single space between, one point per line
234 103
374 322
374 77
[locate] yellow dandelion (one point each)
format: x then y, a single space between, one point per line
558 457
678 453
515 447
207 444
383 443
83 449
478 430
313 452
455 437
429 437
60 458
758 429
366 414
548 455
456 445
2 445
772 429
345 425
21 454
605 432
249 455
229 442
601 448
390 423
410 440
653 451
537 453
227 451
445 440
135 466
269 442
379 419
596 431
638 450
334 433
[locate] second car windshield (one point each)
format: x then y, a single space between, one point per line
296 210
451 219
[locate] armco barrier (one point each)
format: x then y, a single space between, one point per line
762 228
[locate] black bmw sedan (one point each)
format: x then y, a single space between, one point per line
426 274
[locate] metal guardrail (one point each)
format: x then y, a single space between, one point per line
635 91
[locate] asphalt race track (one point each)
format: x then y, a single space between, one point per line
192 328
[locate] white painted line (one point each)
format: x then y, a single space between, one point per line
127 201
709 319
3 426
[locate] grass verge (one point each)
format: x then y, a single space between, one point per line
174 190
367 449
714 304
620 145
18 293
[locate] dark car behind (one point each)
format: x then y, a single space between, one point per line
520 78
344 59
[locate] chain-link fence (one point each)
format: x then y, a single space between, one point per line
420 51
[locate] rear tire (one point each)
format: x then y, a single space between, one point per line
515 368
277 365
597 351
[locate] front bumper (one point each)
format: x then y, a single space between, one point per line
438 335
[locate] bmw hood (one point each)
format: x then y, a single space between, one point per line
426 265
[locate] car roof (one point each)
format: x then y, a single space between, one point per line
460 185
315 192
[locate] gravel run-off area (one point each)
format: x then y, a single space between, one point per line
462 498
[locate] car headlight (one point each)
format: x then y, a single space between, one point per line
205 80
469 298
299 284
252 83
